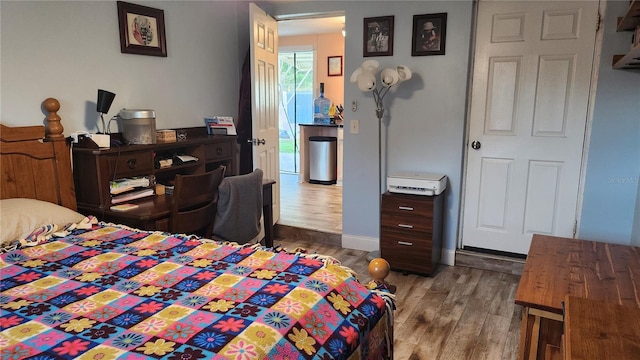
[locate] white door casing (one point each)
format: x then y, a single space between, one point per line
529 105
264 98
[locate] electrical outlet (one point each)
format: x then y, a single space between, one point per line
354 105
354 126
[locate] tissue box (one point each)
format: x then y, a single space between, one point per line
165 135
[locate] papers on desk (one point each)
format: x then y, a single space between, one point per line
124 207
132 195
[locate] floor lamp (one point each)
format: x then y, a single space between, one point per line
366 78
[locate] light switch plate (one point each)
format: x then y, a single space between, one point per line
354 126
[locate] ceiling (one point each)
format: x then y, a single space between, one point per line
310 26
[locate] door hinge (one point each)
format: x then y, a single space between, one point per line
598 21
575 228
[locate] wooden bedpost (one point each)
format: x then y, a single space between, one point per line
53 128
54 133
379 269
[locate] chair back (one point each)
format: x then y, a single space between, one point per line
194 202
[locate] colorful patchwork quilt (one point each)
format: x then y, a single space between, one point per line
112 292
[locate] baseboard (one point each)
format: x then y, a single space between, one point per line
360 242
448 257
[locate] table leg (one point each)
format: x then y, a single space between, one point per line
524 334
535 338
267 213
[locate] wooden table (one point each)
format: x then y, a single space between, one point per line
598 330
557 267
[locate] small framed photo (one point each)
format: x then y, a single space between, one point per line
378 36
429 34
141 30
334 66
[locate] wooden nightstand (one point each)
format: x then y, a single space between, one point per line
411 231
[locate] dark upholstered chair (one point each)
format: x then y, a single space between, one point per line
194 202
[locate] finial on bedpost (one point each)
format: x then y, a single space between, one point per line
53 129
379 269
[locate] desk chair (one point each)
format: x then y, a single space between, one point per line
194 202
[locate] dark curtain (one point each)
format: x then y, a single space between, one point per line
243 126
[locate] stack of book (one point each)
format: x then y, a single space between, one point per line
131 188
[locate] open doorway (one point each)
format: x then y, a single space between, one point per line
305 44
296 75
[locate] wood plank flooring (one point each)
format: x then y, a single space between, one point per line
457 313
310 206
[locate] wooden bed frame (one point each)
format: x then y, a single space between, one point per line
36 161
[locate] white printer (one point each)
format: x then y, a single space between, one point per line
416 183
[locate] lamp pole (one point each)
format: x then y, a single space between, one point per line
378 96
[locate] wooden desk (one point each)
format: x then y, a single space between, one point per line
557 267
153 213
597 330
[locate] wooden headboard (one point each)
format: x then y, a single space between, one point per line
35 161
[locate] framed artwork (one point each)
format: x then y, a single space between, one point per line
334 66
378 36
141 30
429 34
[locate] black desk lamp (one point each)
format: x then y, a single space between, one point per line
105 98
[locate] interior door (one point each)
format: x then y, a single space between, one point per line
264 98
529 101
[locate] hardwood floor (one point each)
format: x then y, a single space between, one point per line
458 313
310 206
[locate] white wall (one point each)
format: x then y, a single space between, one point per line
69 49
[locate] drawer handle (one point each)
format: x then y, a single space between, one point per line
405 226
408 208
219 151
131 163
405 243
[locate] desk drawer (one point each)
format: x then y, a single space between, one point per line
222 150
130 164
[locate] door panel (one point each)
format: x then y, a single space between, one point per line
264 95
530 92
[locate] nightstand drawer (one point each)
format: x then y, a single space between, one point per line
420 241
130 164
410 223
406 254
407 205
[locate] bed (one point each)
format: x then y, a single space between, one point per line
74 287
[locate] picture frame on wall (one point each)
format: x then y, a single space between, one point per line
378 36
141 30
429 34
334 66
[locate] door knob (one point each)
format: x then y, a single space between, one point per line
475 145
256 142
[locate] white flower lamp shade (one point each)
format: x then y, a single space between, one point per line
404 73
370 65
355 74
389 77
366 81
